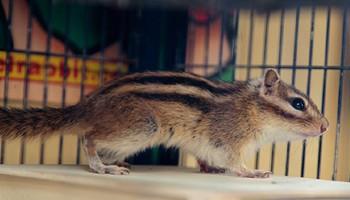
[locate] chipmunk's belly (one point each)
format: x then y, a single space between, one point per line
111 155
111 151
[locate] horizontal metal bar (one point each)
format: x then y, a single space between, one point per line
97 58
214 4
281 67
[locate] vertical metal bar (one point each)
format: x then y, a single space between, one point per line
280 45
249 61
340 92
266 37
188 66
308 87
83 76
65 72
138 38
221 45
7 71
234 42
102 51
47 57
295 54
319 157
295 50
206 47
26 77
280 51
161 62
250 43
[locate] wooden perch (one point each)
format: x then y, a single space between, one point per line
150 182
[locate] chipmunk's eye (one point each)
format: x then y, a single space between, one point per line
298 104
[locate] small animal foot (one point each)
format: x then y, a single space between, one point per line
116 170
253 173
111 169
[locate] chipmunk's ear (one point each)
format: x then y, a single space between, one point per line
271 78
270 82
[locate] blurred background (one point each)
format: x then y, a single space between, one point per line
52 53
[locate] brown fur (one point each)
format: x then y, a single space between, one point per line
33 122
217 122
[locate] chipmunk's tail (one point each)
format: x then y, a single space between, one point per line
35 122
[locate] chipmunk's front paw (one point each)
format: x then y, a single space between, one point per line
111 169
253 173
116 170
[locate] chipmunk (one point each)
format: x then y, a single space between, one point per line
219 123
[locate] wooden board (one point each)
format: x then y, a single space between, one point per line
149 182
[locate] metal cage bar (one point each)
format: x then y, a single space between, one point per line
102 63
295 54
7 72
83 77
206 48
340 93
324 85
279 62
266 37
308 86
55 54
208 67
46 66
234 43
26 76
250 43
64 82
222 34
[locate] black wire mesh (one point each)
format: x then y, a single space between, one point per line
226 59
295 67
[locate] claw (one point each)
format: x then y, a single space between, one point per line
253 173
112 169
116 170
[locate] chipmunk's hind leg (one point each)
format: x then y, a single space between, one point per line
95 162
110 157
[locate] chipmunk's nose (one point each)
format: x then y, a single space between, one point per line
324 125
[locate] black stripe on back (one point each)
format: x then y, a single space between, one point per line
170 80
198 103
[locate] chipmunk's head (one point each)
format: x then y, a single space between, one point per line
287 113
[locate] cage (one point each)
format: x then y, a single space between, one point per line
55 52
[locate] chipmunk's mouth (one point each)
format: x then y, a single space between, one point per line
311 134
317 131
